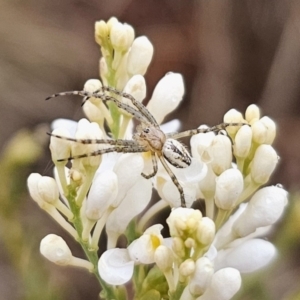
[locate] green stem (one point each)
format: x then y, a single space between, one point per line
177 294
109 292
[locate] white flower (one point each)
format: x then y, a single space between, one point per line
182 220
229 186
60 149
247 256
115 266
103 192
263 164
224 284
142 250
252 113
87 130
265 208
220 151
135 201
167 96
201 278
242 142
140 56
54 248
136 87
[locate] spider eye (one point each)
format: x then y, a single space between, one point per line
146 130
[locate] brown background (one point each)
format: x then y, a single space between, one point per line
231 54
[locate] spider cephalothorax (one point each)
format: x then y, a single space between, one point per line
151 138
147 138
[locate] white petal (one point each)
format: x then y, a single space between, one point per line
135 201
32 184
224 285
48 189
128 169
140 56
248 257
115 266
171 126
202 276
167 95
136 87
229 186
69 125
265 208
243 141
103 192
221 152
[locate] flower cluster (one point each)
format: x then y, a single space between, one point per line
205 252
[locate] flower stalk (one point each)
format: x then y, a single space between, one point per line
206 251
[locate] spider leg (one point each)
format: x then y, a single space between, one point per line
203 130
140 106
154 163
174 179
135 113
125 149
117 142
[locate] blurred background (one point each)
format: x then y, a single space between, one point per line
231 54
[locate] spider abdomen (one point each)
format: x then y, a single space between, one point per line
176 154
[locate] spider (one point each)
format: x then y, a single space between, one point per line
147 138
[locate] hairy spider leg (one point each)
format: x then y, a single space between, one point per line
125 149
140 106
154 164
178 135
135 113
117 142
174 179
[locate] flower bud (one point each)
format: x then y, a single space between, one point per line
265 208
201 277
93 112
111 22
233 116
101 31
271 129
119 38
87 130
167 95
242 142
55 249
221 152
223 286
229 186
48 189
140 56
206 231
263 164
251 255
136 87
60 148
187 268
178 247
32 184
183 220
103 191
200 145
164 258
91 86
252 113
